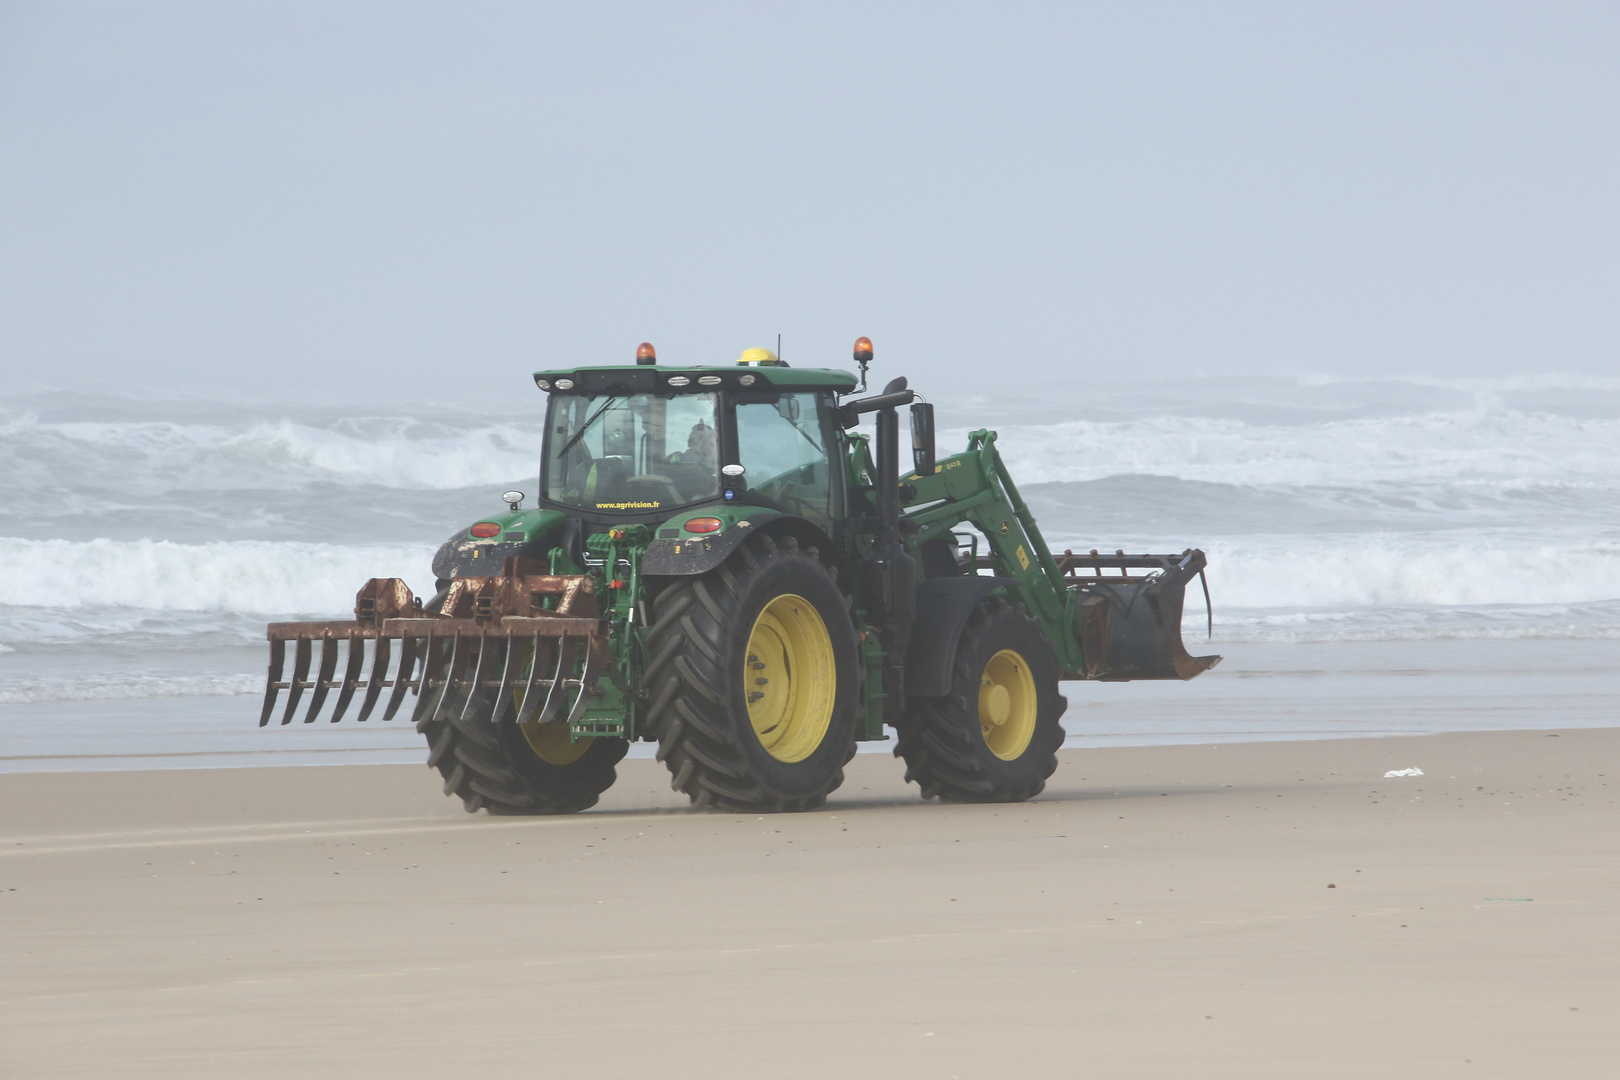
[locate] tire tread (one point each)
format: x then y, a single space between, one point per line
939 738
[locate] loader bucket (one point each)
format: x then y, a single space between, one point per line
1126 611
523 644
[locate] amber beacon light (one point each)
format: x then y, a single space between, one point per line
646 354
863 350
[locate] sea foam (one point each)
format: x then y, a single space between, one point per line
122 685
1495 447
164 575
1304 572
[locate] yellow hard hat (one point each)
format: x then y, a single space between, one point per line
755 357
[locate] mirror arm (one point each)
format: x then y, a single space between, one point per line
850 412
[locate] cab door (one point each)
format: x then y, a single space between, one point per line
787 442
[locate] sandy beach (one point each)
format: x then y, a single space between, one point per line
1261 909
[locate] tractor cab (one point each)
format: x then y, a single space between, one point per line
628 445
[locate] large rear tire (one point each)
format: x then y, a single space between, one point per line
507 768
994 737
755 680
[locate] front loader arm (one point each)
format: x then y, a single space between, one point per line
1106 617
975 487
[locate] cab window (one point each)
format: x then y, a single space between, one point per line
782 441
632 454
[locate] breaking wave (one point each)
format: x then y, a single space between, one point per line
60 590
1562 622
1287 434
1486 447
1351 573
119 686
275 453
219 576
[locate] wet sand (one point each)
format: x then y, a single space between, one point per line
1243 910
1262 692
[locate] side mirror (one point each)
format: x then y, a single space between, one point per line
922 438
788 407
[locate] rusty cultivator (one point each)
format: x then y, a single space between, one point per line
531 639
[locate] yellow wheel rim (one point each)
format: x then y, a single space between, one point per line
1007 705
789 678
550 742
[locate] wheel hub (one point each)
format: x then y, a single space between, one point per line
1007 704
789 678
998 703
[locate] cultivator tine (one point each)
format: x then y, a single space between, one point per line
528 680
278 658
587 679
530 684
300 679
557 694
449 674
402 678
478 673
430 665
323 680
351 675
506 680
374 681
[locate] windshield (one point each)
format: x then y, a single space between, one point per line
632 454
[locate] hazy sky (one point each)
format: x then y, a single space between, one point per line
311 200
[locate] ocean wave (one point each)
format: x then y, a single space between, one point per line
1398 571
142 629
1487 384
121 589
1579 622
219 576
17 690
1491 436
134 456
1487 447
1194 510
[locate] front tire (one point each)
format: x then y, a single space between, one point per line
755 680
507 768
994 737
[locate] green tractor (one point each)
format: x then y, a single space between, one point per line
719 563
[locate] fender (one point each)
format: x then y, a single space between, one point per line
943 607
685 554
529 533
